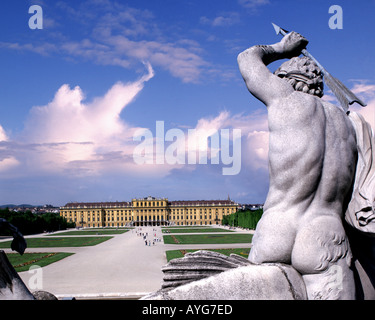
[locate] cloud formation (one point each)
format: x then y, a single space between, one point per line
253 4
366 92
7 160
71 134
223 20
119 36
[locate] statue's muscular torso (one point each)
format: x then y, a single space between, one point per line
312 153
312 156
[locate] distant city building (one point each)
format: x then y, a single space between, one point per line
34 209
251 207
148 211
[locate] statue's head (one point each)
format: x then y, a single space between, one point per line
303 74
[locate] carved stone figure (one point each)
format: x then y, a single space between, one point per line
320 203
312 164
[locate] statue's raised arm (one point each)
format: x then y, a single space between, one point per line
253 62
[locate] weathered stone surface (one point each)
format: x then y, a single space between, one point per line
198 265
253 282
44 295
11 285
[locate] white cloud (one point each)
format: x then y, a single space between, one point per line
224 20
3 135
369 113
253 4
256 149
181 59
366 92
363 88
71 134
254 133
42 49
72 137
7 161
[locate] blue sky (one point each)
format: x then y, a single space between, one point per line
73 94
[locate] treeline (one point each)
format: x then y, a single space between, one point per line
29 223
245 219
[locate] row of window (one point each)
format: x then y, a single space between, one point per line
89 219
149 204
200 210
111 219
148 218
89 225
108 211
194 223
195 217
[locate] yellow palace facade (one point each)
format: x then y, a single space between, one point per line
148 211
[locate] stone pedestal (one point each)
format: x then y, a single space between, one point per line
252 282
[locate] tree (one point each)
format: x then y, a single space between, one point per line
29 223
245 219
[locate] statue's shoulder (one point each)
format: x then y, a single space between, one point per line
334 111
295 107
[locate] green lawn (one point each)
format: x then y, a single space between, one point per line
41 259
47 242
194 230
173 254
186 226
208 239
90 232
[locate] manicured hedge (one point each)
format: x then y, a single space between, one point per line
245 219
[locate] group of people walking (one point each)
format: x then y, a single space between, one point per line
145 234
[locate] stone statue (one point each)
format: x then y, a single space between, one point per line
18 243
321 163
321 174
312 165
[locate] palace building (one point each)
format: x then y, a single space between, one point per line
148 211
